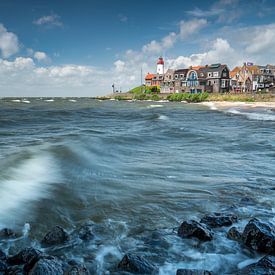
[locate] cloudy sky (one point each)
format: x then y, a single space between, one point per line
80 48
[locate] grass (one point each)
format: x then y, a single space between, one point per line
242 97
188 97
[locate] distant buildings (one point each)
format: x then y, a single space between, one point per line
214 78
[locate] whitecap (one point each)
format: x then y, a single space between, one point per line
26 101
253 115
163 117
16 100
49 100
27 182
72 100
155 106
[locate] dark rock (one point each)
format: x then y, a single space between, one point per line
6 233
47 267
25 256
85 232
219 220
189 229
2 255
192 272
55 237
136 264
234 234
3 266
266 266
75 268
259 236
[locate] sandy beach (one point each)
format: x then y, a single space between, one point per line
231 104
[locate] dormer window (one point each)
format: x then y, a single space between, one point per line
182 76
176 76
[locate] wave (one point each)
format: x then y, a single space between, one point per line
49 100
25 183
253 115
155 106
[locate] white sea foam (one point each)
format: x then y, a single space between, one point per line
163 117
72 100
26 183
211 105
155 106
25 101
252 115
16 100
49 100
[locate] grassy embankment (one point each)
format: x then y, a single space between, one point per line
139 93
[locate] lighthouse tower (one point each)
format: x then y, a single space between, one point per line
160 66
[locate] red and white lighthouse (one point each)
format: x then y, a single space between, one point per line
160 66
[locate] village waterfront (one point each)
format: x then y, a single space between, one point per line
134 171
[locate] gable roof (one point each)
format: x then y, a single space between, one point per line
149 76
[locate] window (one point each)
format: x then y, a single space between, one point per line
182 76
209 74
176 76
215 74
223 83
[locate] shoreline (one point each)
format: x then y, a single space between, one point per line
231 104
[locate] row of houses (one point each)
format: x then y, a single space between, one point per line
214 78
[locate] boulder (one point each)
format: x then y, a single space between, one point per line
265 266
259 236
85 232
55 237
190 229
219 220
2 255
25 256
136 264
3 267
47 267
234 234
192 272
75 268
7 233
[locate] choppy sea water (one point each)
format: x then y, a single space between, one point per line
136 170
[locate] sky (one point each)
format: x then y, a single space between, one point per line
80 48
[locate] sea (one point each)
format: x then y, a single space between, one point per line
135 170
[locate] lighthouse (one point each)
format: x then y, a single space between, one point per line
160 66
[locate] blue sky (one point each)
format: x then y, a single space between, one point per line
79 48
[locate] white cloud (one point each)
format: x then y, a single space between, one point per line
122 18
9 44
219 52
52 20
190 27
119 66
41 57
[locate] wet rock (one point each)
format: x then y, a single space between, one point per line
234 234
265 266
6 233
55 237
3 267
2 255
192 272
259 236
136 264
189 229
85 232
25 256
219 220
47 267
75 268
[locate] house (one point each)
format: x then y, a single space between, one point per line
156 79
168 85
215 76
148 79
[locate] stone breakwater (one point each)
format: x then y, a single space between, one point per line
257 236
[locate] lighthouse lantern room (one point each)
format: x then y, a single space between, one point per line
160 66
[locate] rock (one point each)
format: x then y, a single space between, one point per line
55 237
192 272
136 264
85 232
265 266
219 220
189 229
25 256
259 236
2 255
234 234
3 267
47 267
6 233
75 268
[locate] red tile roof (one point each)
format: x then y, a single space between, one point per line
149 76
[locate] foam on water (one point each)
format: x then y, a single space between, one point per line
163 117
155 106
16 100
72 100
49 100
252 115
26 183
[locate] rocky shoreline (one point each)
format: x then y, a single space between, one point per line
257 236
